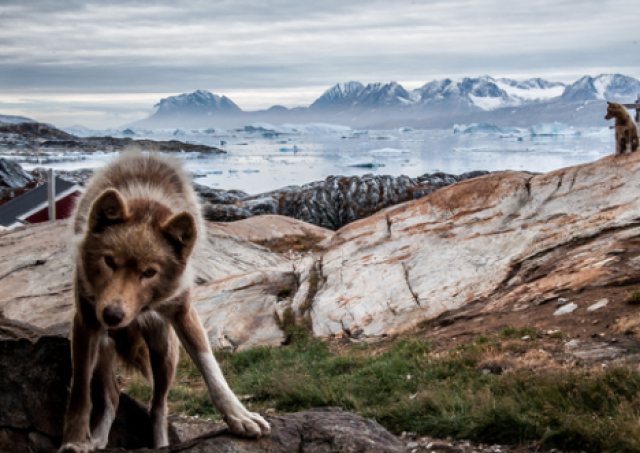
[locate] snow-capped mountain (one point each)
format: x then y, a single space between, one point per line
469 94
466 94
354 95
485 93
200 102
11 119
439 103
336 94
609 87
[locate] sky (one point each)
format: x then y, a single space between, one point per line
106 63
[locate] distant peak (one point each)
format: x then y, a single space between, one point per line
196 103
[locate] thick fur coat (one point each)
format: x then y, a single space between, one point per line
626 129
136 229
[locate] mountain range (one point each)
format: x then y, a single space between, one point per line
437 104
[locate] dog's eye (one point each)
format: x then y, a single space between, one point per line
149 273
109 261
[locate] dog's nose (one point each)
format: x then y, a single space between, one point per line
112 315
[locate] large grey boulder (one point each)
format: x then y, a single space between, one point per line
35 374
327 430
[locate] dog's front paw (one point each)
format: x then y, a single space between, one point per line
244 423
77 447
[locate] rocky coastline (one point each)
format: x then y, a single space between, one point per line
25 139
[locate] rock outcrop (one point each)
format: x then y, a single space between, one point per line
35 373
30 137
13 179
503 242
334 202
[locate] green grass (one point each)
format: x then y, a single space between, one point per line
633 298
408 388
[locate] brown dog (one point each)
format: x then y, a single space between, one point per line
626 129
136 228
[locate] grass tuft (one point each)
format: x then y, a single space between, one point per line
633 298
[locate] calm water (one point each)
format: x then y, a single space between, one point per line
257 164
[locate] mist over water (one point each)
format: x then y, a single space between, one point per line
256 164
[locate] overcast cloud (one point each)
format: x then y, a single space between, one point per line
106 63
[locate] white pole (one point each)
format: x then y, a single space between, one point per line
51 185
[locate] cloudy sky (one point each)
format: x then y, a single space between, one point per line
105 64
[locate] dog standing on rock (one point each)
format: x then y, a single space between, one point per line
626 128
136 228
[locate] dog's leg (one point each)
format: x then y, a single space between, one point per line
85 343
194 339
163 354
105 393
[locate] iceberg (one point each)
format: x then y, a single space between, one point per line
291 128
259 127
552 129
485 128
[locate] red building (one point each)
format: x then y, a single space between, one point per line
33 206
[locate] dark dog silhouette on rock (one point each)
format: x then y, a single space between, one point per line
626 129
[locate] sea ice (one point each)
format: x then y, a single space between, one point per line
391 151
302 128
485 128
552 129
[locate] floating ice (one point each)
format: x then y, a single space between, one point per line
405 129
485 128
552 129
180 132
302 128
390 151
603 132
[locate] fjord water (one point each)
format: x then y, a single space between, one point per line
255 163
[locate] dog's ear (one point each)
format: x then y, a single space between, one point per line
107 209
181 232
608 102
